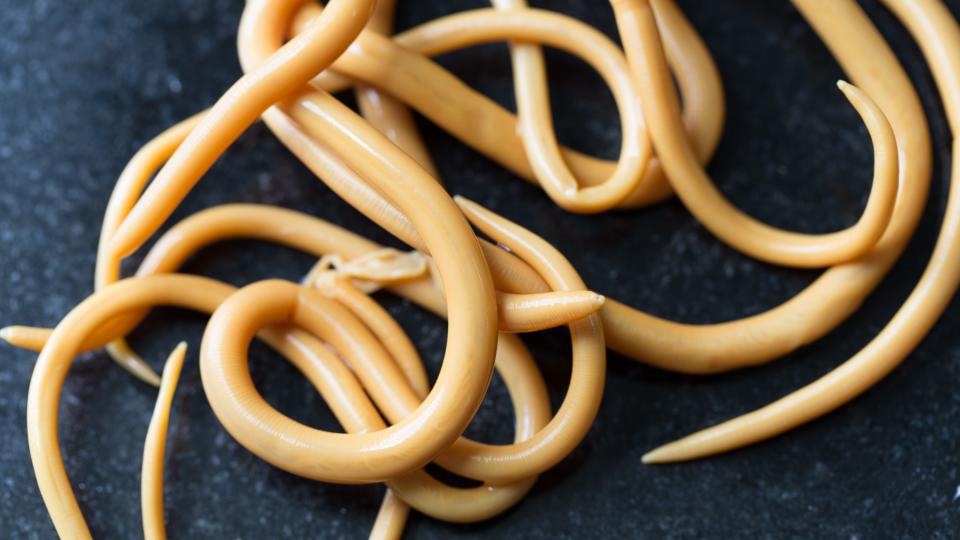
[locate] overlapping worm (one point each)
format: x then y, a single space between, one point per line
489 277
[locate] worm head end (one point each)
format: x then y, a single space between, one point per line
655 457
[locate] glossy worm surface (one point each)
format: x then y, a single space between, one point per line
488 277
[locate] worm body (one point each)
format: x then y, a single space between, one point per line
490 278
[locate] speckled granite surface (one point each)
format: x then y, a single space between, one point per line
83 84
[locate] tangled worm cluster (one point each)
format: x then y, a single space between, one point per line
295 54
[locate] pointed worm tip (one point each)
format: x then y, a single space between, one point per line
149 377
464 202
141 370
19 337
174 363
853 94
592 302
115 249
121 244
177 354
656 456
473 211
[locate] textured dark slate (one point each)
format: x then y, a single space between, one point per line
83 84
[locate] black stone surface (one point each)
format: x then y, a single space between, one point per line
84 83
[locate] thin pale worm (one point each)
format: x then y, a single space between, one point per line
695 189
939 37
151 472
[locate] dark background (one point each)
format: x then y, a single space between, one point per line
84 84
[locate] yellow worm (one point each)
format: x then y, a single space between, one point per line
939 37
516 312
667 344
321 366
294 54
151 473
642 44
703 348
548 444
293 65
385 112
696 74
446 101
